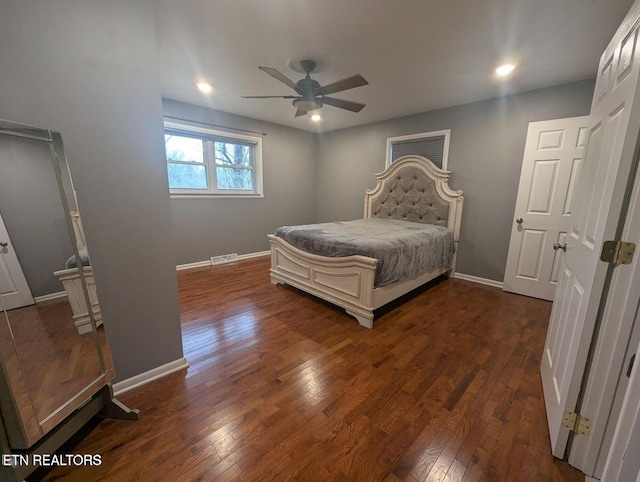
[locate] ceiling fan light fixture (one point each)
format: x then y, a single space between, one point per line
306 104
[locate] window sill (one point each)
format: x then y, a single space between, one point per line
220 196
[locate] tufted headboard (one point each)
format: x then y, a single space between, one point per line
414 189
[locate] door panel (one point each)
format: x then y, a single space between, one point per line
529 262
551 139
542 186
573 178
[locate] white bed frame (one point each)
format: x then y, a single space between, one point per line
349 281
70 279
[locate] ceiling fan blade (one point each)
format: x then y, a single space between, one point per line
343 104
276 74
344 84
300 113
269 96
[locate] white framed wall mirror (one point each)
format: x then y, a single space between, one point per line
54 354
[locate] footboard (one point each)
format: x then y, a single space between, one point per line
346 282
70 279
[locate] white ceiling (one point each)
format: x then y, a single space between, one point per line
418 55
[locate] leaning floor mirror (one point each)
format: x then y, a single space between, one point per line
54 354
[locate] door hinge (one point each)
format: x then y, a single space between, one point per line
576 423
617 252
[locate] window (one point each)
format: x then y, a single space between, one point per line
432 145
212 163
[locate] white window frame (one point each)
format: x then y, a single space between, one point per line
423 135
213 191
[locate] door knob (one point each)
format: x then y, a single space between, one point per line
557 246
3 244
519 220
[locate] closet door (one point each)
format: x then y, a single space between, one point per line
550 169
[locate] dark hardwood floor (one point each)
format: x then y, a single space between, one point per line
46 359
283 386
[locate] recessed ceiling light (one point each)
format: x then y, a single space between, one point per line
505 69
315 117
204 87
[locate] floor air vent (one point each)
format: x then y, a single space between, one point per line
225 258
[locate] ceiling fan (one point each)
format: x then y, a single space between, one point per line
311 95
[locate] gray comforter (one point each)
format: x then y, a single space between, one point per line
72 262
402 248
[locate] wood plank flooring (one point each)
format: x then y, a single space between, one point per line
43 350
283 386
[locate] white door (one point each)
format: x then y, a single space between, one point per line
630 469
550 168
618 331
623 463
14 289
613 133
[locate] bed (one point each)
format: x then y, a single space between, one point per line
411 190
72 283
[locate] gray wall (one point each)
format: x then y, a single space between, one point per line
89 71
485 157
209 227
32 211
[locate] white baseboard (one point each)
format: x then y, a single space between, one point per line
201 264
50 296
477 279
197 264
254 255
149 376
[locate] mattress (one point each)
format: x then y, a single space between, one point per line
402 248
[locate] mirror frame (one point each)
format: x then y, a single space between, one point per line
16 406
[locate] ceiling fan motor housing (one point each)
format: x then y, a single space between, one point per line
308 100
